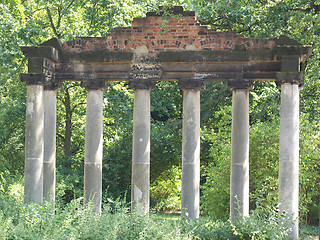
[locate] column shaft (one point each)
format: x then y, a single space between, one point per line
49 158
239 180
93 148
190 192
289 154
33 187
141 151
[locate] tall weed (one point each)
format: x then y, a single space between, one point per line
76 221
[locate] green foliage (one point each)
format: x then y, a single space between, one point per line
117 149
69 184
165 191
308 232
264 167
166 135
264 102
117 166
309 165
12 95
257 226
103 16
262 226
71 111
13 187
74 221
215 197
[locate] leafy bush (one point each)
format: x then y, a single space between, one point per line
165 191
74 221
307 230
309 177
257 226
262 225
69 184
216 189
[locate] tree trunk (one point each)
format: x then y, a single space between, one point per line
68 129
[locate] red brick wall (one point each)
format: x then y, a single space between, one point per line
179 34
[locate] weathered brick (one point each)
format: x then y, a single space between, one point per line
174 36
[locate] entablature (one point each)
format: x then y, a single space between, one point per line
140 53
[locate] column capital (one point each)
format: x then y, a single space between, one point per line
94 84
240 84
142 84
33 78
289 78
191 84
46 79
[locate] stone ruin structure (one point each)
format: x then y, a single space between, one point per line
155 49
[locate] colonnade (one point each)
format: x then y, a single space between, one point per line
41 144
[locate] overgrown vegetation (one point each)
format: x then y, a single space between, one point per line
74 221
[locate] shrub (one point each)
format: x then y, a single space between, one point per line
165 190
74 221
215 191
258 225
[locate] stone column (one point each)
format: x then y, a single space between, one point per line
33 172
239 179
289 149
93 144
49 158
140 180
190 186
40 74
